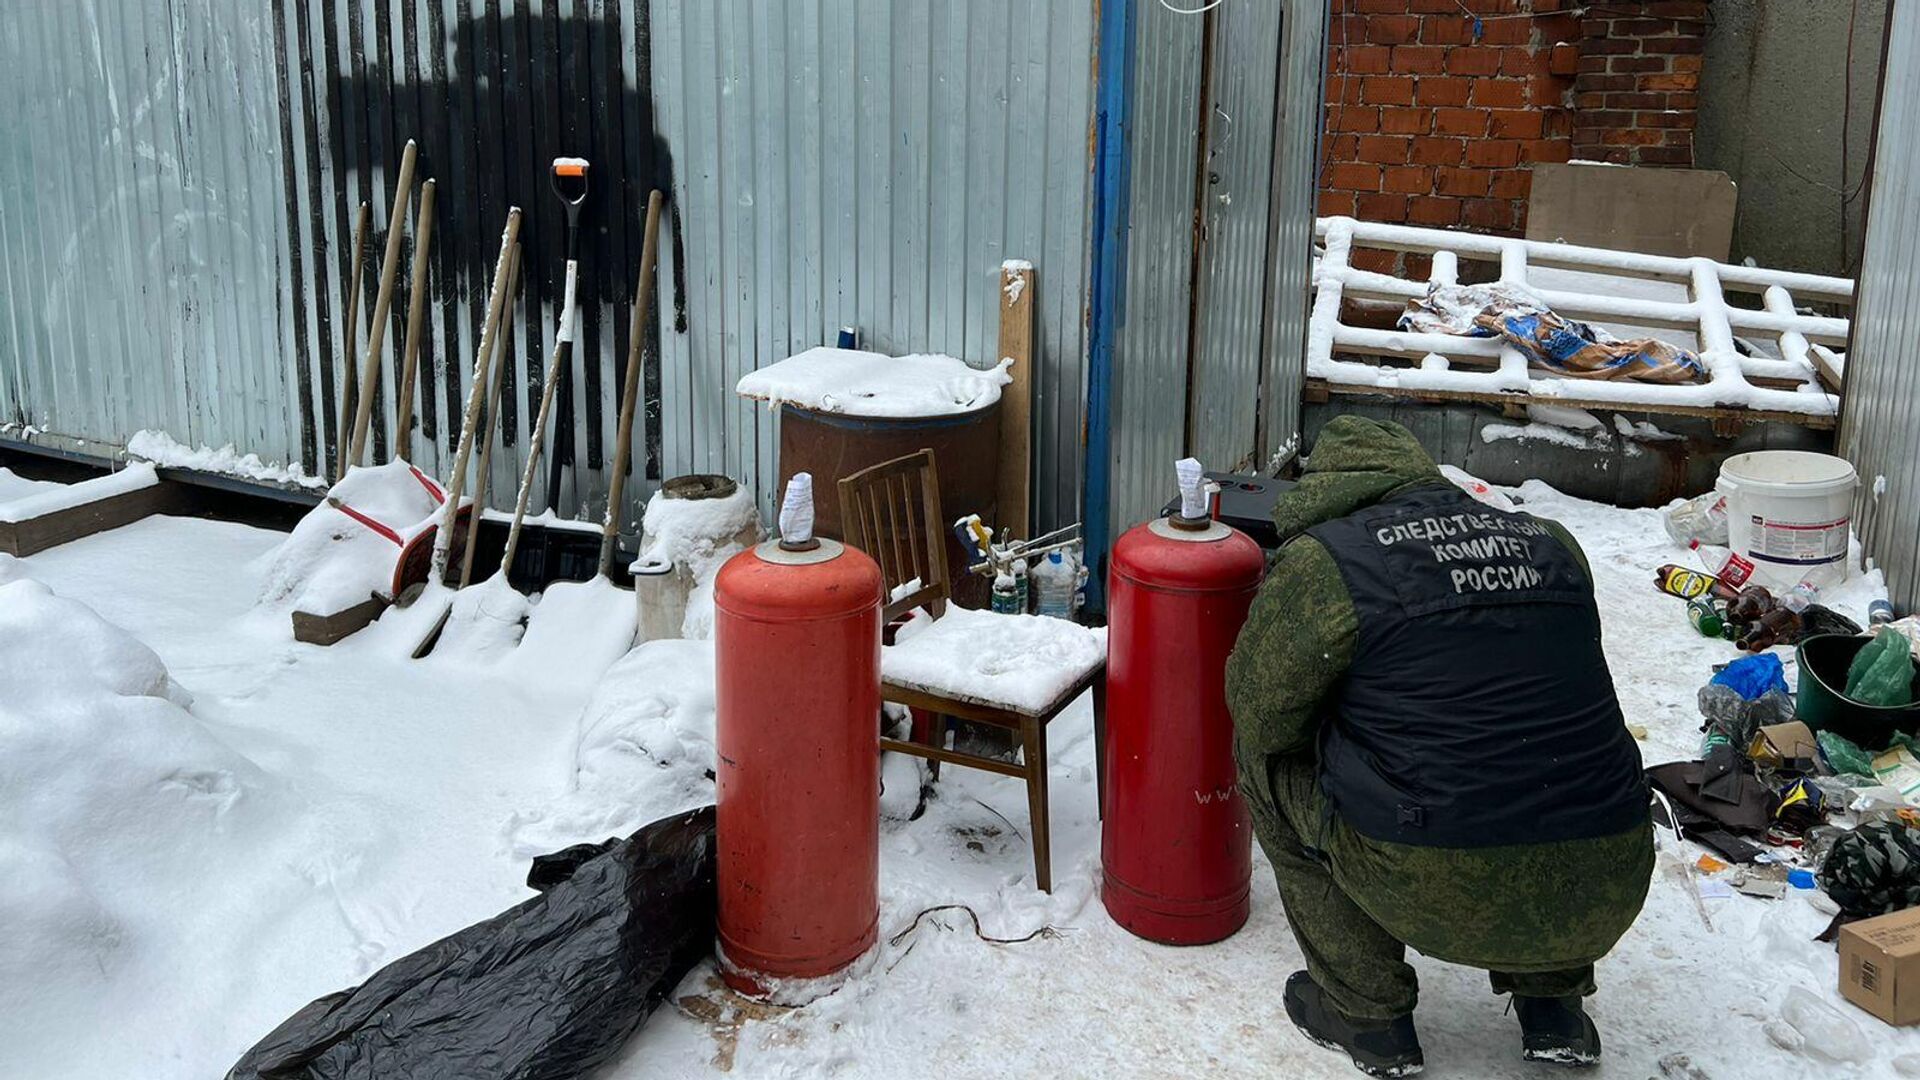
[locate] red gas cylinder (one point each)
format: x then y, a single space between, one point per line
797 668
1176 843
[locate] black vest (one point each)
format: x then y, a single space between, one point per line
1478 710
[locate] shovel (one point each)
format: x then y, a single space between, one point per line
428 610
494 600
589 625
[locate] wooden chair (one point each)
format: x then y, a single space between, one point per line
892 512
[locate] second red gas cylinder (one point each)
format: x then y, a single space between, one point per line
797 670
1176 842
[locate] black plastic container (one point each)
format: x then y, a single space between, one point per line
1821 701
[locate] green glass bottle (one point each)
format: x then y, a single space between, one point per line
1706 617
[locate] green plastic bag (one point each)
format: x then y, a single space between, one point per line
1843 756
1882 672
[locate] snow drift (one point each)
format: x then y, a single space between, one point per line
331 562
643 749
113 799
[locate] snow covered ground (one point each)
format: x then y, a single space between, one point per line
331 809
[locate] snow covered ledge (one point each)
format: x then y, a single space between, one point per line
1791 387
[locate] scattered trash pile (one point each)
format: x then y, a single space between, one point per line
1521 319
1814 786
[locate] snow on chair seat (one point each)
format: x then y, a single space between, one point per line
1013 672
1020 663
1796 386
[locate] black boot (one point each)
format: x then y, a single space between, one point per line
1378 1047
1556 1030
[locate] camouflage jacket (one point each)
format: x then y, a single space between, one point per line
1519 908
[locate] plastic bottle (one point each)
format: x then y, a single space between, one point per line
1732 568
1703 517
1020 587
1797 598
1879 613
1751 603
1777 627
1682 582
1055 580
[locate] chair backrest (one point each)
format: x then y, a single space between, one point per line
891 511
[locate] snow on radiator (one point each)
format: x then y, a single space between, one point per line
1354 356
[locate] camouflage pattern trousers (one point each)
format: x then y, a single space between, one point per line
1361 966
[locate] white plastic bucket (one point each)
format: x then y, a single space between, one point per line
1789 511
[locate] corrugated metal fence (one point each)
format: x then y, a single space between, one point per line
1226 115
1880 418
141 225
177 184
871 164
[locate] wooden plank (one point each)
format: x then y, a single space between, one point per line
1503 399
1675 212
953 757
1830 374
327 629
23 538
1492 363
1016 399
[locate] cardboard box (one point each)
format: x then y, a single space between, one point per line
1780 744
1880 966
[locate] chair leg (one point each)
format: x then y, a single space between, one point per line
1033 738
1100 744
936 738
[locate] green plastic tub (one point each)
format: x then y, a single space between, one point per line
1822 704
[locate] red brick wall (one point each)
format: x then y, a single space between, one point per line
1639 82
1435 117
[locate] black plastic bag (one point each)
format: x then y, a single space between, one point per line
546 990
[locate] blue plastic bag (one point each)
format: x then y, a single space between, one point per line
1753 676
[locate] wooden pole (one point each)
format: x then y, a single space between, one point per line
623 447
416 325
505 357
1016 399
352 332
534 444
377 331
476 393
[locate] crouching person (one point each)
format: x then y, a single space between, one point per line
1430 745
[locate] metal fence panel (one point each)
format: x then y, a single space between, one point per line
1880 418
176 190
140 219
1152 323
867 163
1209 336
1296 154
1232 282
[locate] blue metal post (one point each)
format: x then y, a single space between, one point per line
1112 172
